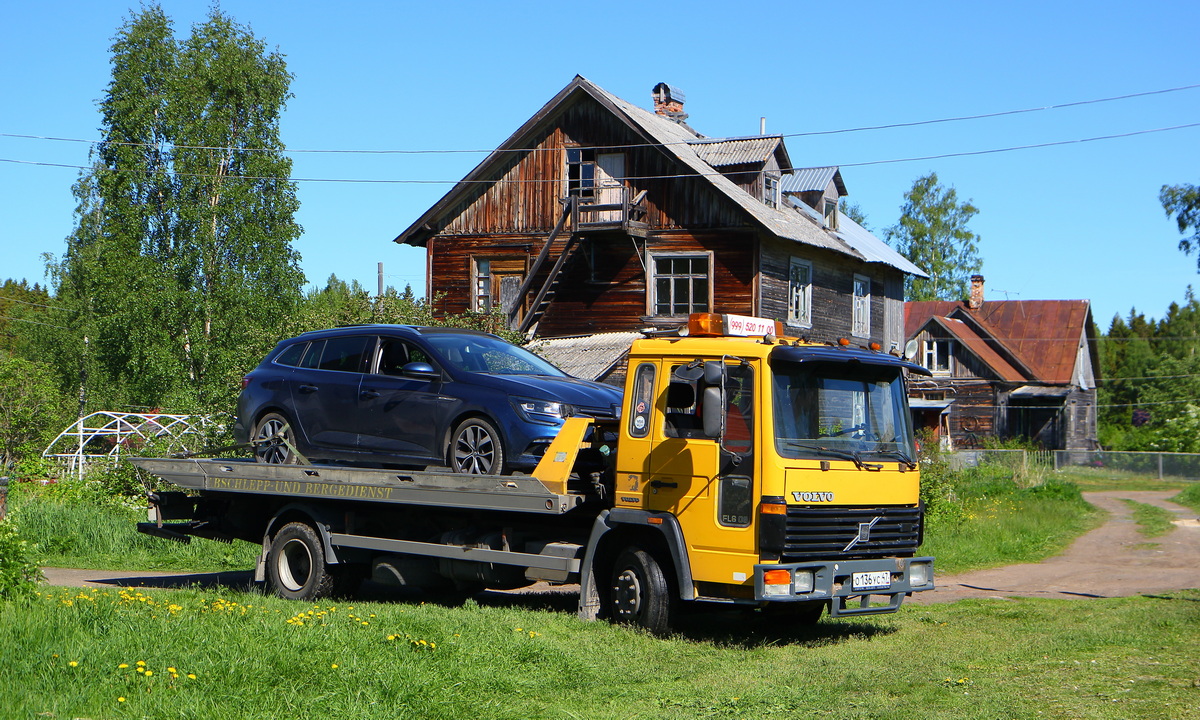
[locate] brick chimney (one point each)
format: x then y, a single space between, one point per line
976 300
668 102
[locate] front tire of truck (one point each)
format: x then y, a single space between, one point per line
296 565
639 593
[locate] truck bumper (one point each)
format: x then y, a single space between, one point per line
888 580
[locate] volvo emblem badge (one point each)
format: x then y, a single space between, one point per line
864 534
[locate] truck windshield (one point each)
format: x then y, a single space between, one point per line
840 410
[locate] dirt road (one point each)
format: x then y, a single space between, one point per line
1113 560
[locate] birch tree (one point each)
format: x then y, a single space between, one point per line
933 234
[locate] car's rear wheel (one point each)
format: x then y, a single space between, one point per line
273 441
476 448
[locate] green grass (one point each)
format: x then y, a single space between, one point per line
1089 479
1189 497
81 533
1152 521
260 657
994 522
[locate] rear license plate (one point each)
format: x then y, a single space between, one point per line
881 580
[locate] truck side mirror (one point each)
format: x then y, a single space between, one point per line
714 373
712 410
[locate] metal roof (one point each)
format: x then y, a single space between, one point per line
737 151
587 356
872 248
1043 336
810 179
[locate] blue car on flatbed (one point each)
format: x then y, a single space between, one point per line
409 395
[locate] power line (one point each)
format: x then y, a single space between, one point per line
865 128
639 177
33 322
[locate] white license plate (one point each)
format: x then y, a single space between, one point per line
881 580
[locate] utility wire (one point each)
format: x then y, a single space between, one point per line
640 177
865 128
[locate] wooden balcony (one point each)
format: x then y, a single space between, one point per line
610 208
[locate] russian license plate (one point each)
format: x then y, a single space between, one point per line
880 580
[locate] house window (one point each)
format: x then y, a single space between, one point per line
495 282
681 283
831 214
938 354
581 172
861 323
771 190
800 293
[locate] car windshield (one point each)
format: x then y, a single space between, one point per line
483 354
838 410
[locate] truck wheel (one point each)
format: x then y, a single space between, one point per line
296 566
269 435
639 593
476 448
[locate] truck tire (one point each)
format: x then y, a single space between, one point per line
296 566
269 435
476 448
639 593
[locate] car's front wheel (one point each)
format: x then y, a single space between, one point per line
476 448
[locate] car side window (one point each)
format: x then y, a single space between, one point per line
291 354
395 353
346 354
312 358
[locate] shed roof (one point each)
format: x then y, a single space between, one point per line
812 179
586 356
742 151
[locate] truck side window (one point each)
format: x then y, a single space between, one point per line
641 401
683 411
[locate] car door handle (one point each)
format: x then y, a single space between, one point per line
369 394
663 484
307 388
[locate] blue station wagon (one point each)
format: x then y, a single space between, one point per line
412 396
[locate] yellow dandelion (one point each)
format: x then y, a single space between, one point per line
120 699
334 666
73 663
172 670
191 676
149 673
141 663
122 666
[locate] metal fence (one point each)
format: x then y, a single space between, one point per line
1174 466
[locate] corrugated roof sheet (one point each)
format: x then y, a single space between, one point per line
588 356
737 151
872 248
811 179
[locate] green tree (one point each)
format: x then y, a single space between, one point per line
1183 202
933 234
30 408
180 270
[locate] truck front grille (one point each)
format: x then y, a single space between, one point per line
827 532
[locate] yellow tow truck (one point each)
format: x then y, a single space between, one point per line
746 468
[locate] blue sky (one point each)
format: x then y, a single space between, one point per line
1080 220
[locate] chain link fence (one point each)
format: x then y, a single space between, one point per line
1163 466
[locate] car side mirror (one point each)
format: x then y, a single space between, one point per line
714 373
420 371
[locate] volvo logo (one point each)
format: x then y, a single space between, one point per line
864 534
813 497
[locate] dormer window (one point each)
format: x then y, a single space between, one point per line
581 172
771 189
831 214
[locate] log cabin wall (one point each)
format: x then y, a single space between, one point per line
832 293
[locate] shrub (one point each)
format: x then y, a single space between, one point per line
19 574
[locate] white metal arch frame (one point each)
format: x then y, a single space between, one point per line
105 434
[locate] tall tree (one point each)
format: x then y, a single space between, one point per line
180 268
1183 201
933 234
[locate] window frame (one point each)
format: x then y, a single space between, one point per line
929 355
799 319
652 284
771 184
860 310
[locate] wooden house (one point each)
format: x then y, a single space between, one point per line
1005 369
599 216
